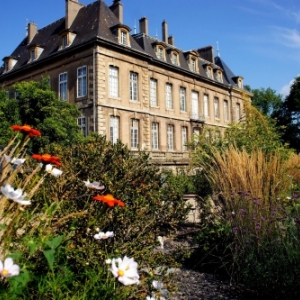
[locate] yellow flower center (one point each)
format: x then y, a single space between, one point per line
4 273
121 273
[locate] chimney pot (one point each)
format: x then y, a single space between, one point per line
144 25
171 40
31 31
117 9
165 31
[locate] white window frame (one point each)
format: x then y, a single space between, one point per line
81 121
153 92
237 112
134 134
133 86
170 137
184 138
169 100
193 65
182 96
160 52
155 136
114 128
113 81
216 108
123 37
82 81
63 86
174 58
195 105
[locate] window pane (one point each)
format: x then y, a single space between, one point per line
81 82
133 86
153 92
205 105
169 101
155 136
216 108
195 105
63 86
225 110
81 121
182 99
184 138
170 137
114 129
113 81
134 133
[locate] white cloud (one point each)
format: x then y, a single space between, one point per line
287 37
285 90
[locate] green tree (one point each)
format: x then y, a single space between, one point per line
266 100
38 106
287 117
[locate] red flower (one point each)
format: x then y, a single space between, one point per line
47 159
109 200
26 129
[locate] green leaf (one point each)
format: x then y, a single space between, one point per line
54 243
50 256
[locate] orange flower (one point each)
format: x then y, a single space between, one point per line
26 129
47 159
109 200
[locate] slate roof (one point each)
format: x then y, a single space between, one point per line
96 21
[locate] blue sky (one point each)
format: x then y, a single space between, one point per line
257 39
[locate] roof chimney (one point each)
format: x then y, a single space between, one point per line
117 9
144 25
31 31
165 31
207 53
171 40
72 8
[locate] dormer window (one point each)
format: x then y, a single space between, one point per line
219 76
121 33
160 52
239 81
9 63
209 71
34 51
67 37
192 58
175 58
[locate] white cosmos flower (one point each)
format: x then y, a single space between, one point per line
16 195
125 270
94 185
157 284
8 269
103 235
53 171
14 161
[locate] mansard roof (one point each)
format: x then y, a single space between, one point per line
95 22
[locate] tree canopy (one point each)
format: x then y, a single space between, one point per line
37 105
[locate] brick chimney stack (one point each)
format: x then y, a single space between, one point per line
72 8
165 31
31 31
144 25
117 9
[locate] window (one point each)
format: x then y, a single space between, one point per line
205 105
209 72
238 112
170 137
196 134
63 86
174 58
169 100
114 129
17 95
216 108
133 86
134 130
153 92
32 55
184 131
154 136
81 121
226 110
64 42
123 38
182 99
160 52
219 76
195 106
193 64
240 83
81 82
113 81
6 68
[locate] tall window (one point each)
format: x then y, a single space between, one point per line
184 131
205 105
81 82
160 52
154 136
193 64
64 42
63 86
170 137
182 99
32 55
226 110
237 112
81 121
133 86
216 108
114 129
134 133
123 38
153 92
169 100
195 105
174 58
113 81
